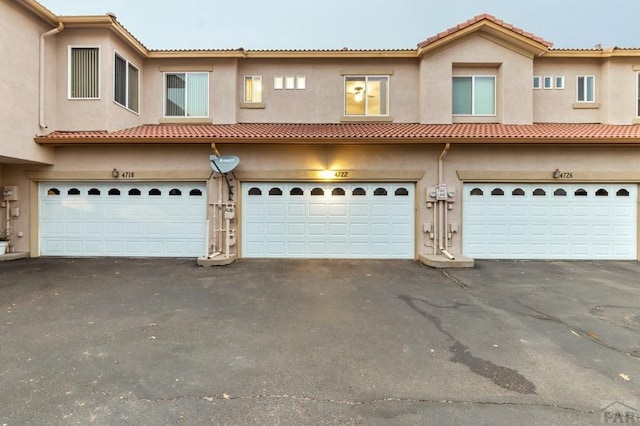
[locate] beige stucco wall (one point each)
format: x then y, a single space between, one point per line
19 105
616 91
400 162
513 72
94 114
323 99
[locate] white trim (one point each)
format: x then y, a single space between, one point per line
585 77
301 82
473 91
254 79
127 63
536 83
289 82
366 80
164 93
80 46
278 82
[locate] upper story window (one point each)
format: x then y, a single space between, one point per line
474 95
537 82
253 88
366 95
186 94
84 73
586 88
126 85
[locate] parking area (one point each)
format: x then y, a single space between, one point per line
307 342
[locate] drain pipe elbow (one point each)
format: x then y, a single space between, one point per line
446 253
60 27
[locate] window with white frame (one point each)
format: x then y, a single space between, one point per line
547 82
186 94
289 82
586 88
253 88
126 85
559 82
84 72
474 95
366 95
537 82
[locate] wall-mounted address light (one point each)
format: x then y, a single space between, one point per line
115 173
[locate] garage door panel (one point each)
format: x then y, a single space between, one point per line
557 224
296 209
339 220
317 209
122 225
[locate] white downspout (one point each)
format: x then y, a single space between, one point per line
442 225
42 73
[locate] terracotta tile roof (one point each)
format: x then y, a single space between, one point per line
354 133
479 18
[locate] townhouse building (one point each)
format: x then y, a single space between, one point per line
483 142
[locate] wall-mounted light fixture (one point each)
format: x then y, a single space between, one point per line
115 173
556 174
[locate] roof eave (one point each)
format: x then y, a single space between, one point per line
41 11
465 140
523 42
107 22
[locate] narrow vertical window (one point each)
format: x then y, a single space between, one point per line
84 72
537 82
586 88
253 88
125 81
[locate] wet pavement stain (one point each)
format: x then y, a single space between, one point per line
506 378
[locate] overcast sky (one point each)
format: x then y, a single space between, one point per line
356 24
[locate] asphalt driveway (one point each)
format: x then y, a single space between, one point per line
309 342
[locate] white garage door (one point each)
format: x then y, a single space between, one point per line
549 221
156 219
321 220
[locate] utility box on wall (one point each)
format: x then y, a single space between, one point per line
10 193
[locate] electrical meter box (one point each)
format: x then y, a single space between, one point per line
10 193
230 212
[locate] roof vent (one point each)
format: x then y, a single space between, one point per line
112 15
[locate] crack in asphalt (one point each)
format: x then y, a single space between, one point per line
580 332
539 315
306 398
506 378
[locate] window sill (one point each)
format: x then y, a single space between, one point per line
190 120
253 105
366 119
635 120
586 105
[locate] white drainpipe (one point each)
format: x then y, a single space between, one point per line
42 73
442 206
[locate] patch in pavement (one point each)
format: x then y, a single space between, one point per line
506 378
